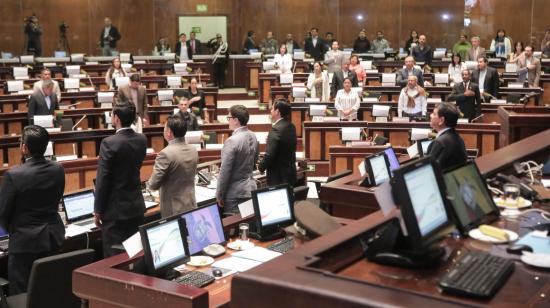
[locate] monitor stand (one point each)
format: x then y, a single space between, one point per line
427 258
267 237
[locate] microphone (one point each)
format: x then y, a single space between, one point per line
526 97
91 83
81 119
477 118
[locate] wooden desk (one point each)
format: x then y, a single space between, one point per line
521 122
254 69
268 80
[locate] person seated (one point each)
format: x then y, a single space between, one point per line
42 102
455 68
249 42
318 83
187 114
162 47
356 67
334 58
529 67
501 44
291 44
347 101
46 74
422 52
409 69
113 72
197 102
466 95
379 44
362 43
412 100
283 61
475 51
269 45
486 78
462 46
339 76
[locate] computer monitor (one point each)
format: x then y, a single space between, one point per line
420 191
273 210
470 198
3 233
392 158
79 205
204 227
423 145
164 245
378 168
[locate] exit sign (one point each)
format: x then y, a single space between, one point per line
202 8
197 30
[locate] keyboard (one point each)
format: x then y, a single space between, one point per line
283 245
85 222
477 274
195 278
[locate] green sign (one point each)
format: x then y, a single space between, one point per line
196 29
202 8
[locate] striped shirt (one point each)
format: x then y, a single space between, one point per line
347 100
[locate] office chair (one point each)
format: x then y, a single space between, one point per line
50 281
327 208
300 193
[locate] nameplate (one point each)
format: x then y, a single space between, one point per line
462 121
401 119
381 119
61 158
318 119
331 119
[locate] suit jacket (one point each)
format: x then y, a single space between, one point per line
448 149
470 54
280 156
239 156
113 32
403 77
38 87
118 185
29 200
334 60
174 173
533 75
470 106
249 44
491 80
141 105
189 51
197 49
338 81
423 55
38 106
316 51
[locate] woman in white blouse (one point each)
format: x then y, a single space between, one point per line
318 83
283 61
455 68
501 44
347 102
412 100
114 71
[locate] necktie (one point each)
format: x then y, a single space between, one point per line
193 45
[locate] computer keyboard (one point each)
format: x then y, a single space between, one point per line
283 245
477 274
85 223
195 278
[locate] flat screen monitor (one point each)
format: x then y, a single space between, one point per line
392 158
3 233
273 209
470 198
164 245
420 191
378 168
79 205
204 227
423 145
60 54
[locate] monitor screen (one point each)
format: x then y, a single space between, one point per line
426 199
274 206
165 243
469 196
378 169
394 162
79 205
3 232
204 227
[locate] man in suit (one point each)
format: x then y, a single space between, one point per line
280 156
194 44
183 51
42 102
175 169
476 51
250 42
486 77
314 45
334 58
239 156
135 93
46 74
119 204
448 147
422 52
403 74
29 200
528 67
291 44
467 97
108 38
339 76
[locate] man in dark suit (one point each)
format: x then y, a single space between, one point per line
119 204
315 46
422 52
194 44
108 38
467 97
187 52
339 76
403 74
42 102
280 156
135 93
29 200
486 77
448 147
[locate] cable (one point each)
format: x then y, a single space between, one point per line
543 213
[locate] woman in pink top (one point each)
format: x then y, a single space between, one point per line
358 69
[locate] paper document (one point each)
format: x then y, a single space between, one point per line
246 208
257 253
236 264
203 193
74 230
133 245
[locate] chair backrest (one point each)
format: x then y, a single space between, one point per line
50 282
300 193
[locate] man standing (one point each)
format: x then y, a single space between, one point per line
42 102
412 101
46 74
269 45
108 38
467 97
379 43
119 204
528 67
339 76
174 170
334 58
448 147
280 156
183 51
194 44
29 200
135 93
476 51
291 44
486 77
362 43
314 45
409 70
239 156
422 52
220 58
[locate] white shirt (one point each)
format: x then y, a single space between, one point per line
481 80
456 72
442 131
183 52
314 41
347 100
284 62
420 102
106 32
48 101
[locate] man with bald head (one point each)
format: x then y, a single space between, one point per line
476 51
422 52
108 38
409 70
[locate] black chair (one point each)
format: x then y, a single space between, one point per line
300 193
50 281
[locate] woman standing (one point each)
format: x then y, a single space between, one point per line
318 83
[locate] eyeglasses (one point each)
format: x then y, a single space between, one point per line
229 118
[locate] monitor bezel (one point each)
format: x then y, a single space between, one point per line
417 241
147 254
267 230
419 146
81 217
212 202
370 171
396 158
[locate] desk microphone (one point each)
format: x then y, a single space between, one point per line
526 97
74 104
91 83
294 68
477 118
81 119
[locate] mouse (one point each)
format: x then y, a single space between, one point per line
518 249
217 272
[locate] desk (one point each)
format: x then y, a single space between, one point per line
521 122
